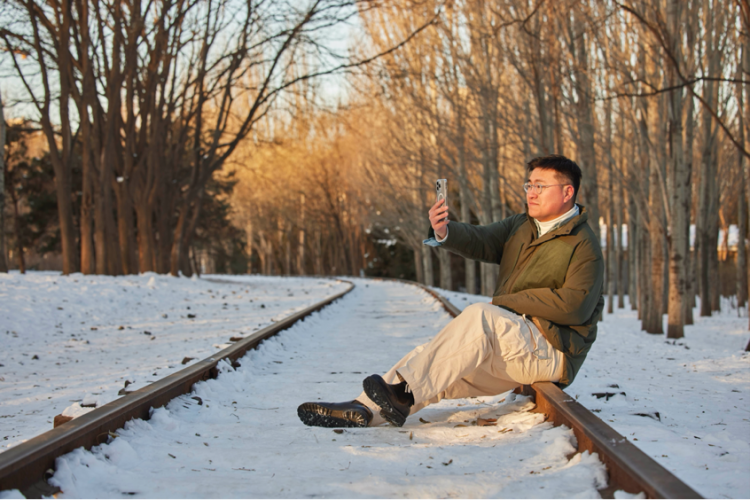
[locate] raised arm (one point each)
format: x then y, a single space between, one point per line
482 243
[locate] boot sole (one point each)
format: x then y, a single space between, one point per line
316 415
378 394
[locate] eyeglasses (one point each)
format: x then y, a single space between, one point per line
538 188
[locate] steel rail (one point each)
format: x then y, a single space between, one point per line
629 468
26 467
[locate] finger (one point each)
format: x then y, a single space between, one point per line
438 213
440 224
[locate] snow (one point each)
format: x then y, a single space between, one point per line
698 385
76 340
239 435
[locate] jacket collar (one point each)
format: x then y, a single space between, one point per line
566 228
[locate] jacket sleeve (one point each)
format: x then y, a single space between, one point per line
573 303
482 243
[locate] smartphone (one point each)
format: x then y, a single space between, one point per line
441 188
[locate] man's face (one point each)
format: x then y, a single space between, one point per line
554 200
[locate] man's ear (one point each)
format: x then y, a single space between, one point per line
569 193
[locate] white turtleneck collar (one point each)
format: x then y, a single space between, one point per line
545 227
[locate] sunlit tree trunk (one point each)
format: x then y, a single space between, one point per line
691 257
656 240
589 191
301 237
742 205
470 266
611 273
680 200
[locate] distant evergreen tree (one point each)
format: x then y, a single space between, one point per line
31 198
216 234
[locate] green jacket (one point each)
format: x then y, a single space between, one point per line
557 279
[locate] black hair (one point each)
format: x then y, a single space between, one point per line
560 164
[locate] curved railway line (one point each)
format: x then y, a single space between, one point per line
27 466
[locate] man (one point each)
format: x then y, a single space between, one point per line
539 326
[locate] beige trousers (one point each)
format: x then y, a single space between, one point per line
484 351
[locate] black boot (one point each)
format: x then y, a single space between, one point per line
350 414
393 399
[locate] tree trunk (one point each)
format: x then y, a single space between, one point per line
656 240
3 255
19 240
301 238
741 248
464 193
742 205
88 256
446 282
633 255
419 263
17 230
429 275
288 254
680 190
746 119
190 233
585 118
125 228
690 257
181 231
319 255
645 285
619 248
145 238
249 247
63 188
611 266
107 181
713 235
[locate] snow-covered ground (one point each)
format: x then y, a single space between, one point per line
245 440
686 403
76 340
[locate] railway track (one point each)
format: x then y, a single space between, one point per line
629 468
27 466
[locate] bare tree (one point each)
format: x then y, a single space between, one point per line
3 258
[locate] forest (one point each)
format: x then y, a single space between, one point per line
305 137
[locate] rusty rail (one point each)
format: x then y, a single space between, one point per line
26 467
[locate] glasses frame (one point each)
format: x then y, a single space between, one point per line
539 188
